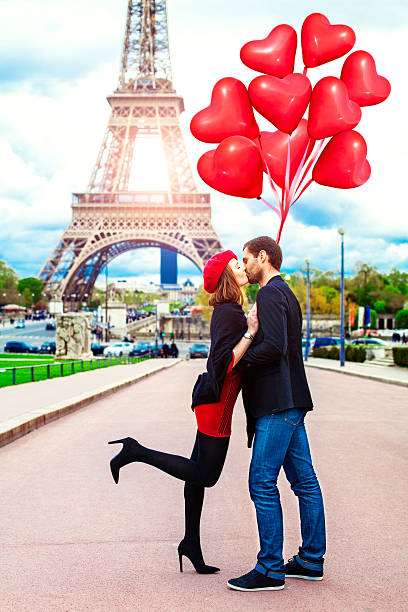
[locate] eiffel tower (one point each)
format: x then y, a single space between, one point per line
108 219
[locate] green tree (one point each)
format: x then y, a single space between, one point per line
27 298
8 285
34 285
393 301
379 306
324 279
366 280
397 279
401 319
251 292
94 300
331 294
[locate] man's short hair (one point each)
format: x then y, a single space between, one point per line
271 248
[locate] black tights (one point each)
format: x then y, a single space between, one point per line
202 470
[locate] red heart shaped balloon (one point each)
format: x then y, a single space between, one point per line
275 54
364 85
234 168
229 114
281 101
274 147
323 42
331 111
343 163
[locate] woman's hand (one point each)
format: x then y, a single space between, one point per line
243 345
252 320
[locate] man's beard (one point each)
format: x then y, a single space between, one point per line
254 276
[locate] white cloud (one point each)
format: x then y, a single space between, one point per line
52 123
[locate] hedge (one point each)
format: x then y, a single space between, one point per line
400 355
353 353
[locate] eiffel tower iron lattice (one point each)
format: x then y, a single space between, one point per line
109 219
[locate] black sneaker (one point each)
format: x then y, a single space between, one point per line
255 581
293 569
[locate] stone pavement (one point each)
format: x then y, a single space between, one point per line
73 541
28 406
391 374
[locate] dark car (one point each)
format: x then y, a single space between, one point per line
316 343
142 348
198 350
48 347
51 326
96 348
19 347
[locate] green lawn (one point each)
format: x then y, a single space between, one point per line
52 369
26 356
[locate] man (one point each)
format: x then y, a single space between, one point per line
276 398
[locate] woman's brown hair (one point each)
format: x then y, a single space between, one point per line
227 290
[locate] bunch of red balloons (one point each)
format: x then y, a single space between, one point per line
287 155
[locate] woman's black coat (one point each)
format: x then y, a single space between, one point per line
228 324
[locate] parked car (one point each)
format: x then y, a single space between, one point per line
19 324
48 347
51 326
370 341
118 349
198 350
97 349
142 348
19 347
316 343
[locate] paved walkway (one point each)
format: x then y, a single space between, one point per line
392 374
30 405
73 541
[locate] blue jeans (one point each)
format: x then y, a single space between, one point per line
281 440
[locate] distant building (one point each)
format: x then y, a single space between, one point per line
180 293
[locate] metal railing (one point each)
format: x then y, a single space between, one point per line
73 367
158 198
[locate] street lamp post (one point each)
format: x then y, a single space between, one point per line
307 347
342 231
156 340
106 302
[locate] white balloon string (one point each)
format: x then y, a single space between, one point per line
274 189
309 165
300 168
287 175
277 210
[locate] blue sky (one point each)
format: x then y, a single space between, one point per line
60 60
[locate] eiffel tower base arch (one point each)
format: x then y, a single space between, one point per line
94 238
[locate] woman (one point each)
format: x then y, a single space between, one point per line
214 396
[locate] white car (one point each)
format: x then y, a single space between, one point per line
19 324
118 349
370 342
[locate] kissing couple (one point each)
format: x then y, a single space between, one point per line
262 354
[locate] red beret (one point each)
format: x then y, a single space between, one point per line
214 267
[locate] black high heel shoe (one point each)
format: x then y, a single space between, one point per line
128 454
193 552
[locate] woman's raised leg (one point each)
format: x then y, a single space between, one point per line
203 471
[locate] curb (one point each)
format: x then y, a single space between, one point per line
383 379
12 429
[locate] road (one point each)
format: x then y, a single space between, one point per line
72 540
34 333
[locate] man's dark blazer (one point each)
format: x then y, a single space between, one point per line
275 379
